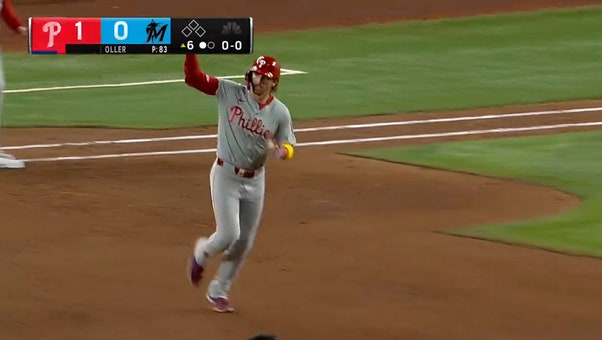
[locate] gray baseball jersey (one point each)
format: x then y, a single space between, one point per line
244 126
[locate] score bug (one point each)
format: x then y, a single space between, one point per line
83 35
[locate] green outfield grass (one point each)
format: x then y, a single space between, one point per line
411 66
571 162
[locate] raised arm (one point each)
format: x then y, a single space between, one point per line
195 78
9 15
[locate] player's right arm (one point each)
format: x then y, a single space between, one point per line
197 79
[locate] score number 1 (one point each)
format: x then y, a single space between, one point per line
54 28
116 33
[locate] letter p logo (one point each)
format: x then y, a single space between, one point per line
53 29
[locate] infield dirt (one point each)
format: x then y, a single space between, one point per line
348 249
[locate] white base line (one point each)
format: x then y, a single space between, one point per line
284 72
331 142
312 129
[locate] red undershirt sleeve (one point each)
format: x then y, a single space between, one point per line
10 16
195 78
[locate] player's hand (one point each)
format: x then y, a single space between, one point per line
279 151
271 145
274 148
22 30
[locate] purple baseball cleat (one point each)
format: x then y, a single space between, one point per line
220 304
195 271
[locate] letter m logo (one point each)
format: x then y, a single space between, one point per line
154 33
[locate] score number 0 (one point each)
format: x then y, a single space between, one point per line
116 33
237 45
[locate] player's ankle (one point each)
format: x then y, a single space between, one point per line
201 258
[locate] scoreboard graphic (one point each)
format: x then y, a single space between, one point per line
65 35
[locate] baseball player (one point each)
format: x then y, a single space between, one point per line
10 17
253 124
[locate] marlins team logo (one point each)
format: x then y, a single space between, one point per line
154 32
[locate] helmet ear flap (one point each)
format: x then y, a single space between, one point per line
249 79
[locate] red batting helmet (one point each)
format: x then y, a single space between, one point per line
266 65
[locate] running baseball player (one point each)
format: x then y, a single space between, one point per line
10 17
253 124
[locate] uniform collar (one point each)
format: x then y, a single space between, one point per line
268 102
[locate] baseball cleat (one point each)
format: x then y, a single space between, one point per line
10 162
220 304
6 155
195 271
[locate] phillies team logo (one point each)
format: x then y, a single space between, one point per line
254 125
53 29
261 63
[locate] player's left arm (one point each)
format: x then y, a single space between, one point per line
9 15
285 139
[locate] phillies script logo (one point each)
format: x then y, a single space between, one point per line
253 125
53 29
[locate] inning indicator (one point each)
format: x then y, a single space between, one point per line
62 35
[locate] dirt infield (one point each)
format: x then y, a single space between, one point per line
97 249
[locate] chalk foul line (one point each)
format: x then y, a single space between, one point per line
330 142
314 129
284 72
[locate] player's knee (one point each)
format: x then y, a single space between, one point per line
228 238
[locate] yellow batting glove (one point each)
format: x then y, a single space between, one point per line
288 151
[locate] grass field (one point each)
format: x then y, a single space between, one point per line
412 66
571 162
409 66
